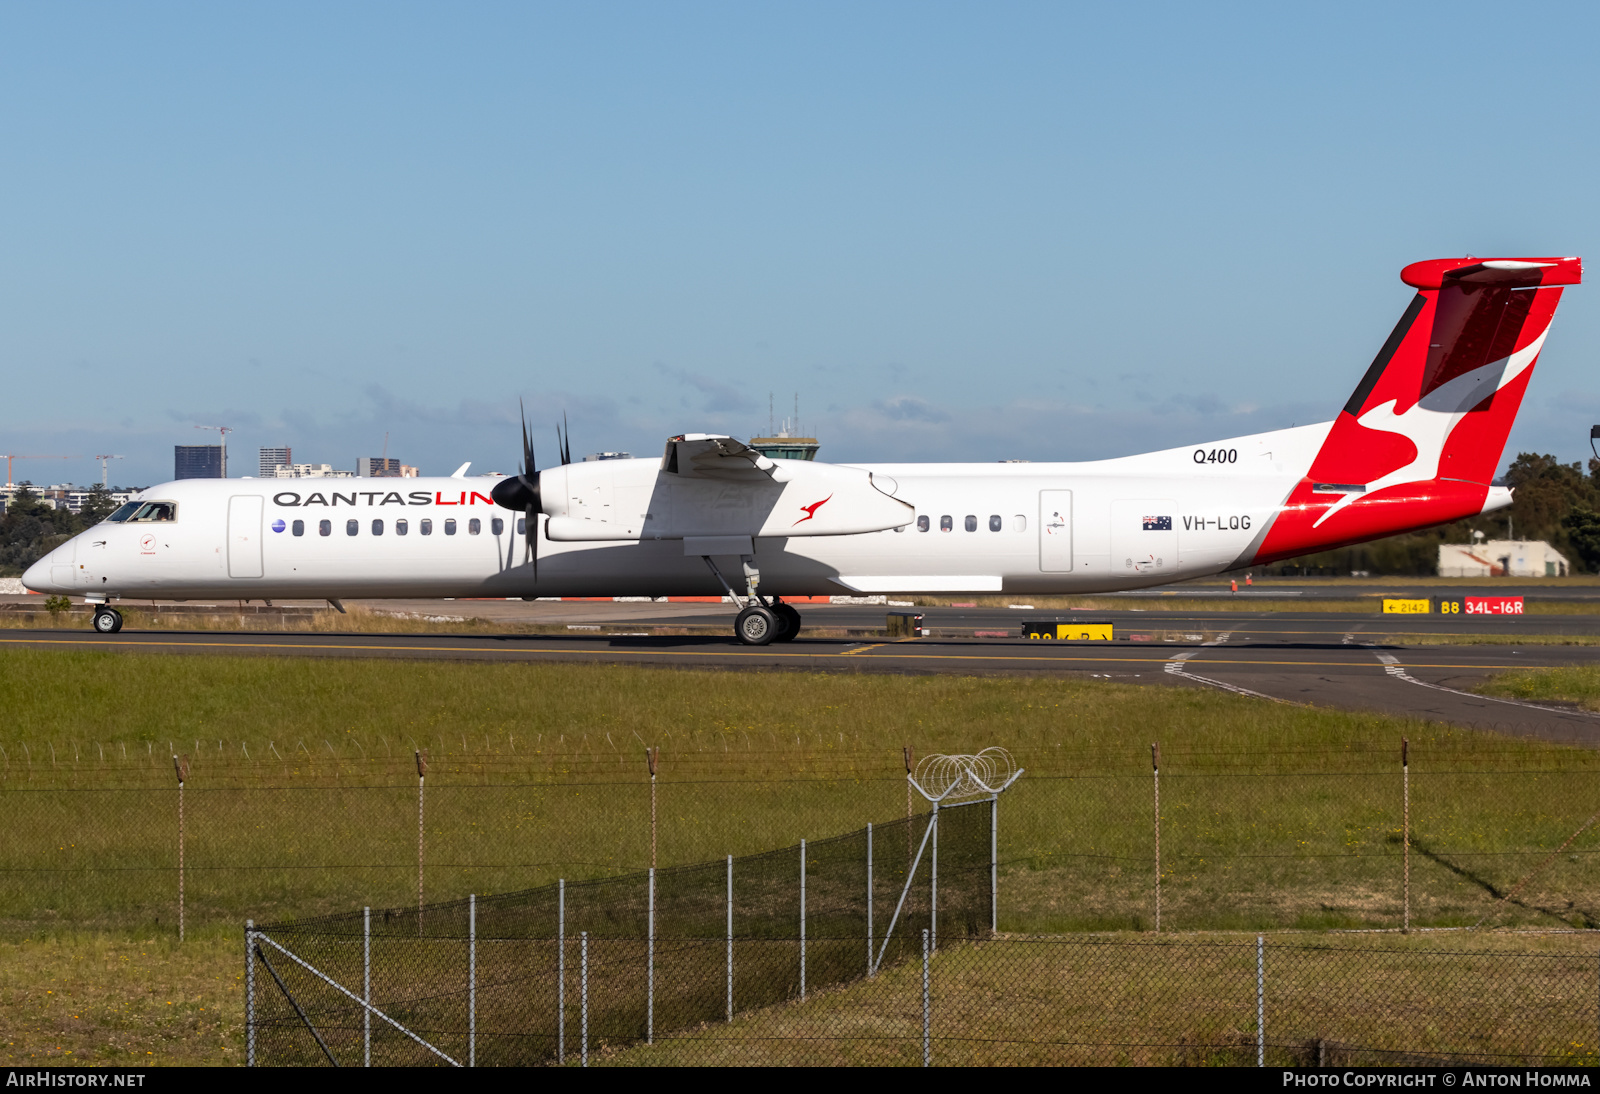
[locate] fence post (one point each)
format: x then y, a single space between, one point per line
730 938
909 756
181 766
933 893
422 771
651 756
994 863
561 971
472 980
1155 766
802 919
249 993
1405 839
869 898
1261 1001
927 1044
366 987
583 995
650 962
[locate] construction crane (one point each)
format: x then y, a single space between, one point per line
222 437
104 469
9 456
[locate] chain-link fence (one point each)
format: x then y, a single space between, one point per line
495 994
1242 846
547 974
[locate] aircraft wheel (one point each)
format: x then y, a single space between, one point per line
788 623
107 620
755 626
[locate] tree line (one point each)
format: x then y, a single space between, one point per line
31 527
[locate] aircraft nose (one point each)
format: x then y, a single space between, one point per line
37 576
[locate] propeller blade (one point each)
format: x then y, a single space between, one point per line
520 493
532 541
527 442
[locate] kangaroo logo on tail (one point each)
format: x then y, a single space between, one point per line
1421 438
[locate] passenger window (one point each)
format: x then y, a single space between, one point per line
497 526
153 511
124 512
351 527
377 527
450 527
299 527
426 527
972 523
522 526
995 523
1019 523
946 523
401 527
324 527
922 524
474 526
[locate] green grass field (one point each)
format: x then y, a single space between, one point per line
119 1000
302 795
1189 1000
1578 684
302 799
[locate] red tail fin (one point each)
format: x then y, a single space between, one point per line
1421 438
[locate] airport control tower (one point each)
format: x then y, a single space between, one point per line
784 443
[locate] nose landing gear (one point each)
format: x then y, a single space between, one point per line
107 620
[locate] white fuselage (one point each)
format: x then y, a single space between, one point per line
991 528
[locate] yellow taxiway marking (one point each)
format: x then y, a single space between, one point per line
763 652
862 649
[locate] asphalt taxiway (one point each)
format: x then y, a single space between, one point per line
1354 661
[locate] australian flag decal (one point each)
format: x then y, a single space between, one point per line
1158 524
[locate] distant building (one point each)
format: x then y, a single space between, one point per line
783 441
1502 558
377 467
409 472
784 447
594 457
60 496
272 459
310 471
197 461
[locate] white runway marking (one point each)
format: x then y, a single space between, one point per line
1392 666
1175 666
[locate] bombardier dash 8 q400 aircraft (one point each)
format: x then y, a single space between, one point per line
1417 444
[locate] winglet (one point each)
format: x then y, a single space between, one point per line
461 472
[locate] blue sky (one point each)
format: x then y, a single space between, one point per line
958 231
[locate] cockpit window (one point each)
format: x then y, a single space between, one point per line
151 512
124 511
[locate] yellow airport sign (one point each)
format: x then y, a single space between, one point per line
1406 607
1071 632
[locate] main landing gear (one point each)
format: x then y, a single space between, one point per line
762 619
107 620
761 623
